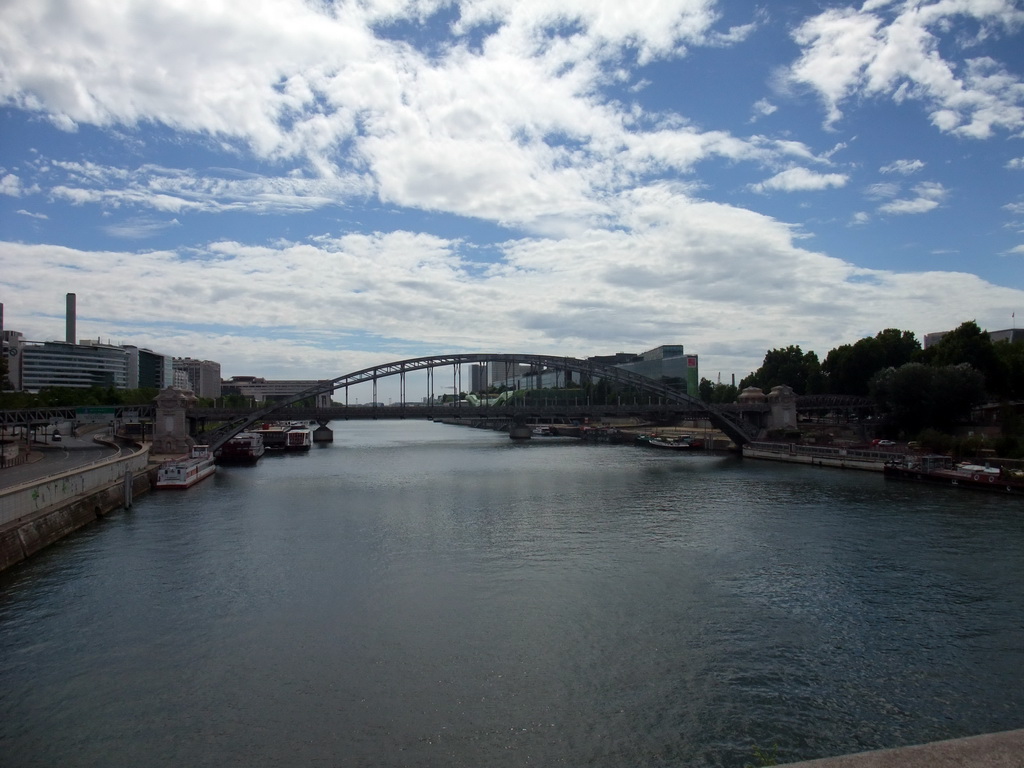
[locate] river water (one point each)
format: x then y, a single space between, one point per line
425 595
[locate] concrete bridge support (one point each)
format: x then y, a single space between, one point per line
170 427
518 429
323 433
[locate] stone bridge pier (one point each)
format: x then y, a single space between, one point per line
323 433
170 427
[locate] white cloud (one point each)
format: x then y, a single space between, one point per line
696 260
928 197
882 190
763 108
1015 163
894 50
800 179
504 121
903 167
437 129
139 228
23 212
10 185
214 190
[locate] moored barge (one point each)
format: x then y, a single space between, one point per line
285 436
243 448
186 471
941 470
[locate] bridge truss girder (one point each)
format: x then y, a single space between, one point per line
730 424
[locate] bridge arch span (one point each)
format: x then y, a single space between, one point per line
730 424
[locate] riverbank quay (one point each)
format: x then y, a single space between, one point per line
38 513
820 456
990 750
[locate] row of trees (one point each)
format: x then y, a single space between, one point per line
68 397
850 368
916 388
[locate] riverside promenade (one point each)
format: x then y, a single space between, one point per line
64 487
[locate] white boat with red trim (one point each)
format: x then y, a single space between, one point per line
186 471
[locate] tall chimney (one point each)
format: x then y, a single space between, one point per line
70 320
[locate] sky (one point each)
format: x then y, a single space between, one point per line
305 188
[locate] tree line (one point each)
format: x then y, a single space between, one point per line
915 388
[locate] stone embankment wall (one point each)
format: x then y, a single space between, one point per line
34 515
843 458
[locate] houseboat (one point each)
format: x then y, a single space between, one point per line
186 471
285 436
243 448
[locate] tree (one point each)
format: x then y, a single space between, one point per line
711 392
849 368
917 396
969 344
896 347
1011 361
790 366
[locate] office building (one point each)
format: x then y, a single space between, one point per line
148 369
667 362
202 376
264 391
78 366
1009 334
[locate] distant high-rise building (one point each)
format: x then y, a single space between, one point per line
203 376
506 374
478 378
148 369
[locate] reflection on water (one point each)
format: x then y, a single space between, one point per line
422 595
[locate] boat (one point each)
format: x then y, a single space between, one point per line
285 436
186 471
940 470
300 438
243 448
680 443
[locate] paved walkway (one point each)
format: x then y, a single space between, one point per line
992 750
53 458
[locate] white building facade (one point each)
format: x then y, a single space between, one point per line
202 376
34 365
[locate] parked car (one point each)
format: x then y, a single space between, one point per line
883 443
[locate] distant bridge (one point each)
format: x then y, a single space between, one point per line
658 393
660 400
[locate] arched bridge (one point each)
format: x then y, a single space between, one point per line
586 370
